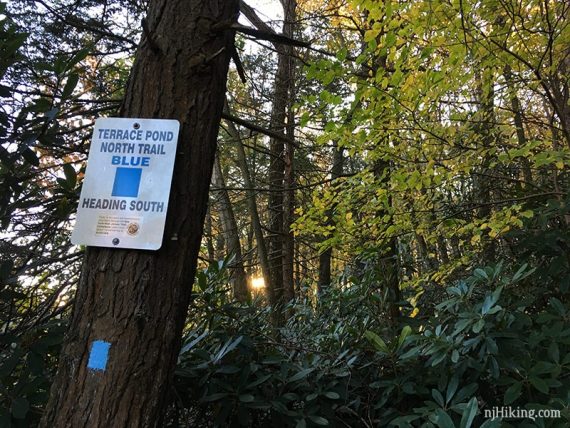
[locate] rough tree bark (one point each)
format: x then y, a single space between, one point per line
137 300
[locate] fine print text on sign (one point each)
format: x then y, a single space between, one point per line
127 183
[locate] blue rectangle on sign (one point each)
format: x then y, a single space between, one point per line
127 182
99 355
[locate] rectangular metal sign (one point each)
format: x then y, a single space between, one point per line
125 192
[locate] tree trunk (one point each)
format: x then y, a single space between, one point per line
281 97
289 190
442 249
283 90
388 256
251 203
131 306
326 256
209 236
517 114
230 233
485 128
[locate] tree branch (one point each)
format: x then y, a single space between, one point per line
257 128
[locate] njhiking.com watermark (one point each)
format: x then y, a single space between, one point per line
507 412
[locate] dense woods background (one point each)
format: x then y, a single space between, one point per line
387 240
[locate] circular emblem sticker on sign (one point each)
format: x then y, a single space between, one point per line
133 229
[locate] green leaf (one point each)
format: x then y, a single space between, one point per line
11 46
290 396
229 346
539 384
5 420
451 388
214 397
246 398
193 343
469 413
490 300
70 175
332 395
30 156
520 273
479 326
202 280
443 420
51 114
342 54
465 392
437 397
557 304
258 382
301 423
481 274
35 363
70 85
228 370
376 341
79 56
311 396
20 408
301 375
319 420
6 269
406 331
512 393
59 65
411 353
554 352
491 423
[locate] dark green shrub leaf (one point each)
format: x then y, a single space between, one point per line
376 341
214 397
246 398
479 326
301 375
30 156
70 85
319 420
258 382
406 331
465 392
512 393
554 352
290 396
20 408
557 304
442 419
437 397
469 413
451 388
6 269
70 175
539 384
